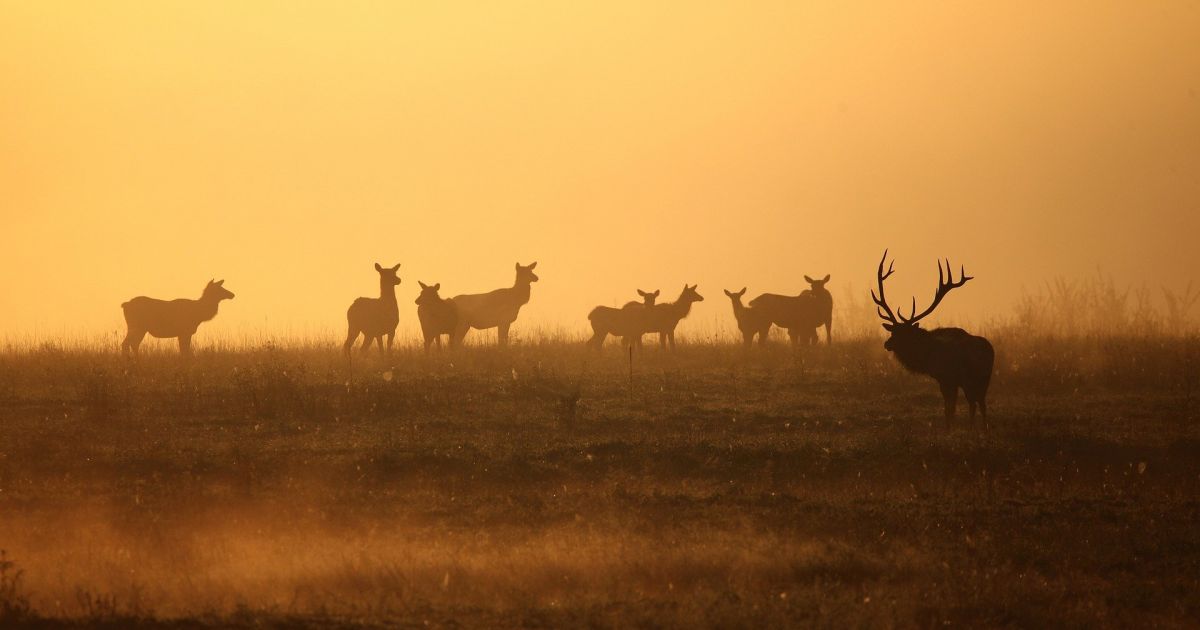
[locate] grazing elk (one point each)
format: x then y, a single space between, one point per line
751 321
663 318
823 301
375 317
799 314
628 322
438 316
952 356
495 309
175 318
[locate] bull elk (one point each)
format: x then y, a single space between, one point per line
377 317
166 319
628 322
954 358
495 309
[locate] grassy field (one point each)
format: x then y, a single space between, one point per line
549 486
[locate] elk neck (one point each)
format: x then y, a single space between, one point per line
521 289
387 293
915 354
206 307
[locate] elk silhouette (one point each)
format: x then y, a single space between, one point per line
799 314
495 309
628 322
375 317
823 305
438 316
952 356
175 318
663 318
750 320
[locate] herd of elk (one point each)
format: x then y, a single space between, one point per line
954 358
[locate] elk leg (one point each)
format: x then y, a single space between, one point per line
828 334
133 341
389 341
671 336
597 340
185 345
662 341
379 342
762 336
366 344
502 334
747 339
350 337
950 395
429 342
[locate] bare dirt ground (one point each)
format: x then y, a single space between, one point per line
542 486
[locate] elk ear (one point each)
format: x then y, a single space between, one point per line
888 327
742 292
437 286
378 267
641 293
219 282
916 324
728 293
826 278
656 292
397 267
809 280
532 265
423 285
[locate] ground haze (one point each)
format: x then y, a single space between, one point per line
542 486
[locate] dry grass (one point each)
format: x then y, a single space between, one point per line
538 487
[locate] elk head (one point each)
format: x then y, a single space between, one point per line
388 273
906 330
690 295
525 273
817 285
648 298
736 297
215 290
429 293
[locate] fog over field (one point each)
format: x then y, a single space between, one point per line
382 314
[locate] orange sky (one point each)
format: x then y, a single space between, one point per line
148 146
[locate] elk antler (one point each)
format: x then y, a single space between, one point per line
946 284
881 306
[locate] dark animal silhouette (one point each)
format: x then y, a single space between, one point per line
798 314
628 322
750 320
823 305
952 356
175 318
663 318
495 309
375 317
438 316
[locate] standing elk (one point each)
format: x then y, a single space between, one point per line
952 356
437 315
751 321
375 317
799 314
663 318
628 322
823 301
167 319
495 309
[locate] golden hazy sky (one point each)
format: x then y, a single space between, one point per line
146 147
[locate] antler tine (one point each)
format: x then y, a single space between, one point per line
881 306
946 284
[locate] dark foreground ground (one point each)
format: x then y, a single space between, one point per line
276 487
